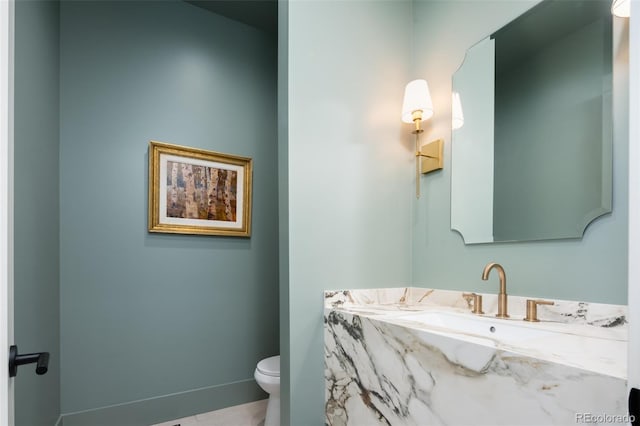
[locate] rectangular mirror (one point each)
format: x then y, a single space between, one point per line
533 160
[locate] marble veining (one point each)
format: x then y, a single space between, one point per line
383 370
412 298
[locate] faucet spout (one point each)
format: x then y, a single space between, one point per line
502 295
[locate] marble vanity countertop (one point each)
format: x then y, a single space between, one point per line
588 336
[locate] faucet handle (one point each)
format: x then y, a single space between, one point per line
532 309
477 302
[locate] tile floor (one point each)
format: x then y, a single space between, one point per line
251 414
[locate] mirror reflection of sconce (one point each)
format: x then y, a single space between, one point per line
416 108
457 116
621 8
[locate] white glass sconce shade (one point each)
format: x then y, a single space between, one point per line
416 98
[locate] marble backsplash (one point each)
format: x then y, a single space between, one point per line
413 298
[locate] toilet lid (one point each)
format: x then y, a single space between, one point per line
270 366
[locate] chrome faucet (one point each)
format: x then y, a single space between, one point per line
502 296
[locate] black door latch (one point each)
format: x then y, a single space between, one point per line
634 406
40 358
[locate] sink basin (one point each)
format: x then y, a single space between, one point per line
501 329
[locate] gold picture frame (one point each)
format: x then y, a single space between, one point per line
194 191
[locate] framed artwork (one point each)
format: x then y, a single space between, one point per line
193 191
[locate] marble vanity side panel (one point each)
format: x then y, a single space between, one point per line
377 373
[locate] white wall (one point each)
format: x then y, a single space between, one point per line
350 171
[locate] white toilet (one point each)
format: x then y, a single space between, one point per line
267 375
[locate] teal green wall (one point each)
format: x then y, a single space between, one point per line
591 269
36 231
350 165
283 210
146 316
347 204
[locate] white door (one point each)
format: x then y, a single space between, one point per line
634 197
6 208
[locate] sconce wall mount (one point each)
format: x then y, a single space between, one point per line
431 156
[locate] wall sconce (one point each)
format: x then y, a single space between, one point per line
457 116
621 8
416 108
